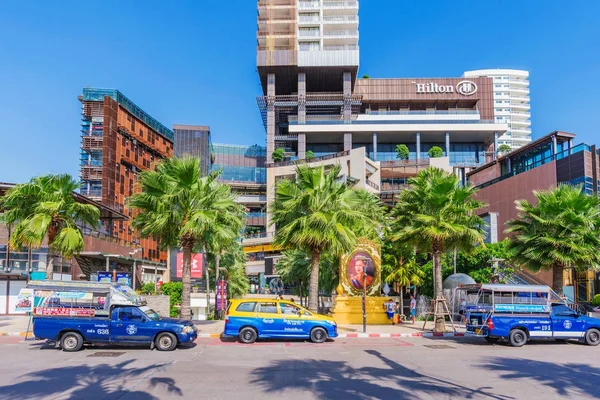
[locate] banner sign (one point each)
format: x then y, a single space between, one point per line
124 278
197 265
105 276
25 301
64 312
221 295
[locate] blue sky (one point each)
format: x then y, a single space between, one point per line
193 62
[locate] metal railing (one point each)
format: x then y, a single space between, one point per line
336 33
340 47
320 158
341 18
340 4
309 33
372 184
422 112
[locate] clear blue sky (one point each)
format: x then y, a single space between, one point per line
193 62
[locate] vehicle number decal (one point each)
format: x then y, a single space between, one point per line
268 320
102 331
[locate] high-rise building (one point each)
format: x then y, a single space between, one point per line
511 103
119 139
307 59
193 141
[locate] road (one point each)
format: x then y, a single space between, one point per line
415 368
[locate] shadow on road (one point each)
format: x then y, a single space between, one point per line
582 378
338 380
87 381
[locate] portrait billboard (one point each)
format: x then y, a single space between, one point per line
360 270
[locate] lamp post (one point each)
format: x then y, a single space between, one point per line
364 300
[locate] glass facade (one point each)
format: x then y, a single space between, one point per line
243 164
460 153
193 142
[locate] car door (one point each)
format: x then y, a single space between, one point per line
294 324
268 319
566 323
130 325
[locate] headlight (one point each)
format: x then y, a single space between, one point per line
188 329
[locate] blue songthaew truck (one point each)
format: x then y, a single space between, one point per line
518 313
72 314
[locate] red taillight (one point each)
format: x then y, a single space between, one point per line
490 323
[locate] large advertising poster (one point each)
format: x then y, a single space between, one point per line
197 265
25 301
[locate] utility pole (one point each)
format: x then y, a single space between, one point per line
364 300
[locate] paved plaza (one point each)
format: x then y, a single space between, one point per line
370 368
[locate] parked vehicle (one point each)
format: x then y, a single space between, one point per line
79 313
251 319
518 313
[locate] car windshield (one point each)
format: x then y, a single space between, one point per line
150 313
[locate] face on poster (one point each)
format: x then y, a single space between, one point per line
360 270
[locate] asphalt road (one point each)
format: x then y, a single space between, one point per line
416 368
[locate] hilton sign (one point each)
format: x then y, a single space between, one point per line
466 88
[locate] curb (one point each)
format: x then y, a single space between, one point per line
15 333
396 335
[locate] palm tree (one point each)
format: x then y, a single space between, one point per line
561 231
400 266
435 214
179 208
45 207
294 268
317 213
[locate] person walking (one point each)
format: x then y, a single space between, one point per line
390 308
398 314
413 308
463 311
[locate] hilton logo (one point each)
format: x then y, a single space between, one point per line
466 88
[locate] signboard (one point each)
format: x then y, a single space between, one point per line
124 278
64 312
25 300
465 88
105 276
221 296
524 308
197 265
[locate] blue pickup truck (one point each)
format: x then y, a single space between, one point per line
124 325
518 313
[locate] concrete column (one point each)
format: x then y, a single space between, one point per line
554 146
301 98
570 146
347 97
418 146
347 141
302 146
270 116
495 145
374 146
447 144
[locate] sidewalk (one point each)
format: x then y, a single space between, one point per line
17 325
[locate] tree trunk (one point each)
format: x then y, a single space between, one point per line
186 282
440 325
50 265
313 289
557 278
217 265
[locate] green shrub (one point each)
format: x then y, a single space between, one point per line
435 152
278 155
147 288
596 300
173 289
310 155
402 152
504 148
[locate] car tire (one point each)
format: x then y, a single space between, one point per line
71 341
248 335
165 341
517 337
492 339
318 335
592 337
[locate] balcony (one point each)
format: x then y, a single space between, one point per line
521 114
340 19
276 3
308 5
276 55
519 82
312 33
91 143
341 34
351 4
349 47
520 98
520 106
252 198
309 19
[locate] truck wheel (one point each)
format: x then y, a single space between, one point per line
592 337
517 338
248 335
71 341
166 341
318 335
491 339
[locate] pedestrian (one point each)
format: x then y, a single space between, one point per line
463 311
398 313
413 308
390 309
